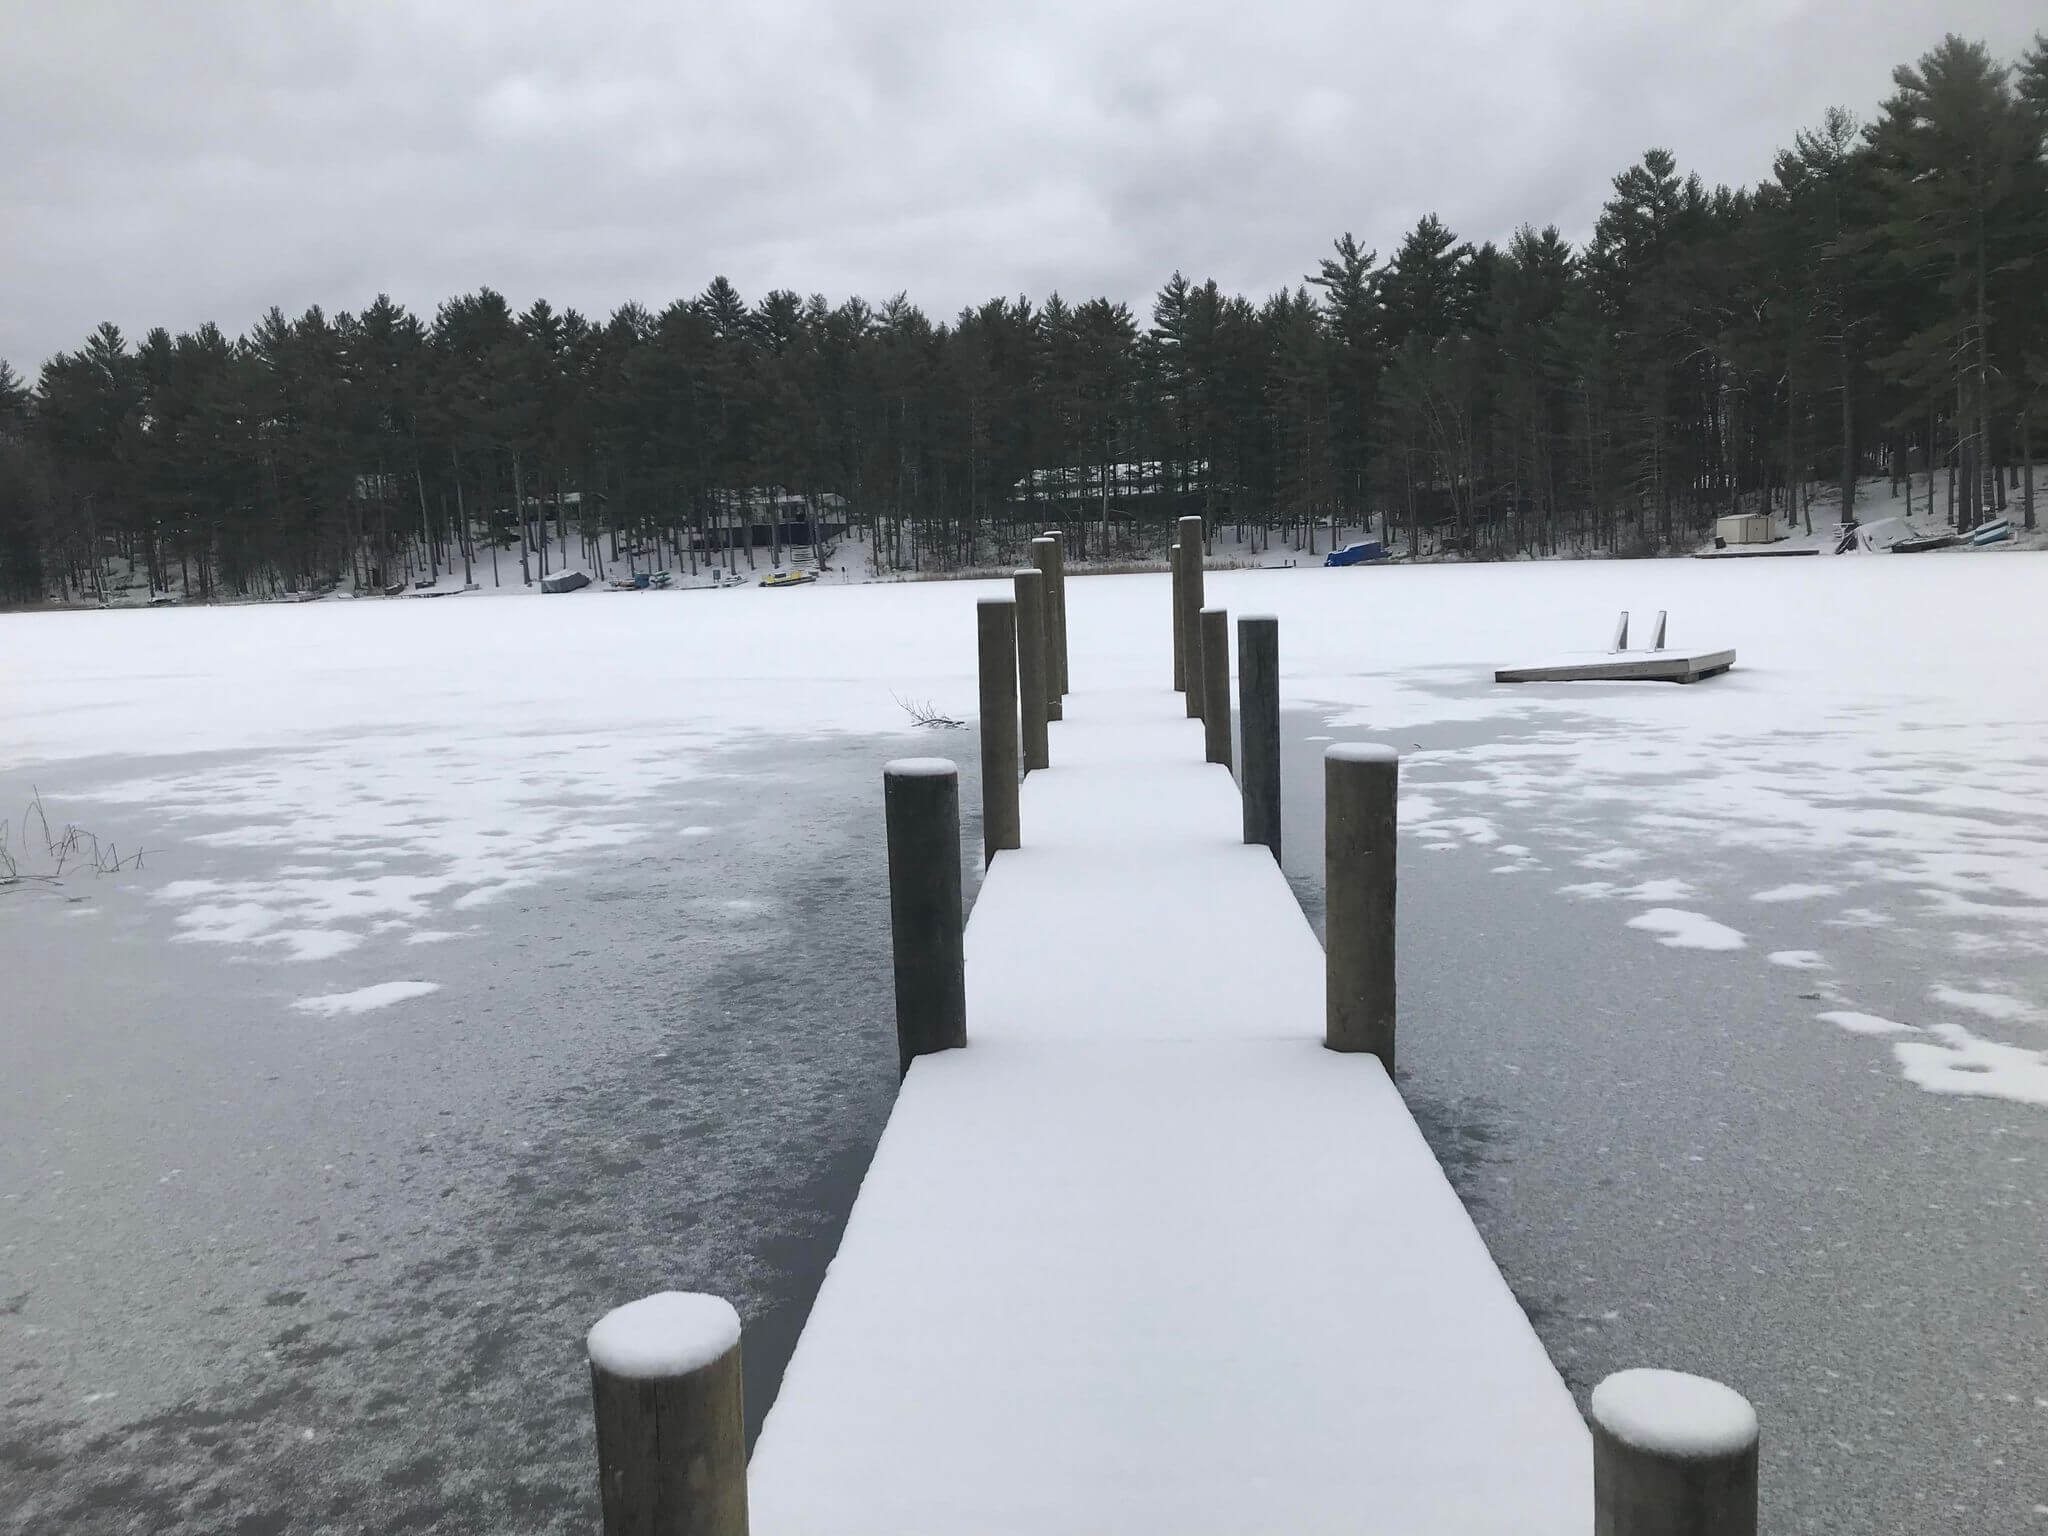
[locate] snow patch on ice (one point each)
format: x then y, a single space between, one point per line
312 943
365 999
1659 890
1647 890
1795 892
1797 959
1678 929
2000 1007
1965 1064
1865 1023
1612 858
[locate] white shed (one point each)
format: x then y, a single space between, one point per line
1746 528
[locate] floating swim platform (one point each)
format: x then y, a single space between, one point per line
1623 667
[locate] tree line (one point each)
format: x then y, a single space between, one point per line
1878 306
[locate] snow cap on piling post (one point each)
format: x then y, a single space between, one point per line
996 645
1058 611
1216 685
1258 715
1360 787
1180 677
671 1427
921 800
1673 1455
1190 616
1045 554
1030 585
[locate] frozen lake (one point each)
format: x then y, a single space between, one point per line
494 960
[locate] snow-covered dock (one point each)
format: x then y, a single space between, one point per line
1145 1257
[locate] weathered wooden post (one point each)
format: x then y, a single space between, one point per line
671 1429
1258 723
1058 609
1180 680
1216 685
1673 1455
996 644
1031 683
921 797
1191 612
1045 554
1360 783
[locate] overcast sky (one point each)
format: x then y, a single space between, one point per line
168 164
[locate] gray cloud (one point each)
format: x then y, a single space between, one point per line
169 165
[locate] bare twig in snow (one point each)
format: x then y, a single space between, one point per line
926 714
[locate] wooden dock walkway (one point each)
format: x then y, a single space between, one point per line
1146 1257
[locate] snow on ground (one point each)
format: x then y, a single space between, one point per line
409 764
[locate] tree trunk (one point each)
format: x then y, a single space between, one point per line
1848 479
2027 459
525 529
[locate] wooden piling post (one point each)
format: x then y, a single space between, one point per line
1191 612
1045 554
921 798
671 1427
996 645
1258 717
1031 684
1216 685
1058 610
1360 786
1180 680
1673 1455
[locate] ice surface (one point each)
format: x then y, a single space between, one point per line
1679 929
1904 780
1670 1413
670 1333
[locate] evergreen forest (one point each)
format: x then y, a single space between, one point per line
1877 307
